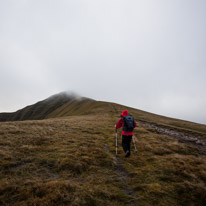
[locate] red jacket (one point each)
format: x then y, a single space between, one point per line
120 124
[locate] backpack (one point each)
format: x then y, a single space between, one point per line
128 123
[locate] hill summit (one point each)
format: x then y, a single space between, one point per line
60 104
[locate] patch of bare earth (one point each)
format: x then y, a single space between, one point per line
192 140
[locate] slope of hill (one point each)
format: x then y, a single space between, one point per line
45 108
68 158
64 104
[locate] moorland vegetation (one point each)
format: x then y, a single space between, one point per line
63 153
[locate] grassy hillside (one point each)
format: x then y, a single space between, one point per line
180 125
69 159
43 109
62 105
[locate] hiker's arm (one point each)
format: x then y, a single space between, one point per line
119 124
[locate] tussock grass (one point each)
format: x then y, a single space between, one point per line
71 161
166 172
57 162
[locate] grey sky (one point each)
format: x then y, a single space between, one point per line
146 54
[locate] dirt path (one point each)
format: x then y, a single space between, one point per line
123 177
194 141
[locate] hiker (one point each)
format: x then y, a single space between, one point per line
128 124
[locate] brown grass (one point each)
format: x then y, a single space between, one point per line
64 161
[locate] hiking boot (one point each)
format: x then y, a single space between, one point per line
127 153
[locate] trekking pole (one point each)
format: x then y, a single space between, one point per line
134 144
116 143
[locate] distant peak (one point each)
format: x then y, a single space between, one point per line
68 95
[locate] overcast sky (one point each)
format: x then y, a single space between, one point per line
148 54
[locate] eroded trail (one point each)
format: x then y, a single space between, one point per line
192 140
123 177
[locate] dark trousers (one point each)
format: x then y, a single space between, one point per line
126 140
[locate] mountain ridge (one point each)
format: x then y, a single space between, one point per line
41 109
